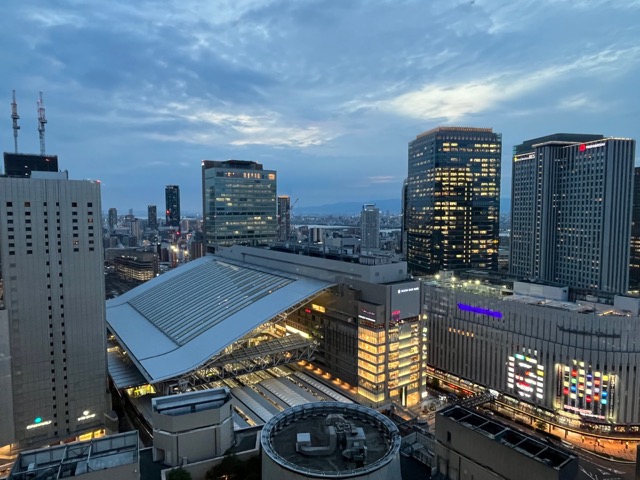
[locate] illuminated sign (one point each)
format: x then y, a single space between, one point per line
481 311
525 377
318 308
525 156
584 146
367 315
405 290
86 416
583 412
38 422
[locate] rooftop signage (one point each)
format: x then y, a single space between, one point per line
479 310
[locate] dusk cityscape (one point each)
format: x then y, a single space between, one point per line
318 239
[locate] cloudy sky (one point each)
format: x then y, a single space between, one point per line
326 92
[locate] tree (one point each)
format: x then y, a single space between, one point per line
179 474
232 468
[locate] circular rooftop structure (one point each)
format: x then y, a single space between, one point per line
330 440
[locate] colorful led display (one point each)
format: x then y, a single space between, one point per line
585 391
525 377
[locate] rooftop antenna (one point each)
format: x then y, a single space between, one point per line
41 121
15 117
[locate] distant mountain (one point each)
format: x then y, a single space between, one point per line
392 205
349 208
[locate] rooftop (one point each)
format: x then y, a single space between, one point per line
77 459
308 425
174 323
518 441
191 402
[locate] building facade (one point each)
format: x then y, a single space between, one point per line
112 219
172 201
572 364
239 203
571 211
284 218
53 373
453 199
22 164
634 261
370 227
152 217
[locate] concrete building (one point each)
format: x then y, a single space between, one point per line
192 427
284 218
134 265
106 458
571 206
468 446
172 201
113 218
53 378
571 364
239 204
22 164
330 440
634 257
152 217
370 227
453 199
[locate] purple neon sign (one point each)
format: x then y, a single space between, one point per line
482 311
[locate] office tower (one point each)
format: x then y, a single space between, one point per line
152 217
113 218
239 203
403 213
453 199
172 198
53 379
369 227
571 211
634 267
284 218
22 164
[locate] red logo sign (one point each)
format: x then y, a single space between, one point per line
582 147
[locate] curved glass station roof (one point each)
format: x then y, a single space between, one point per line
174 323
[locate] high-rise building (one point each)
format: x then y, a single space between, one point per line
453 199
172 199
284 218
152 217
113 218
239 203
53 367
369 227
571 205
634 267
403 213
22 164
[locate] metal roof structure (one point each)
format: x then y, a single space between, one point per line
173 324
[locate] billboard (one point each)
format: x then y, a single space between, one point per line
406 301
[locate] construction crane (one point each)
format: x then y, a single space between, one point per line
41 121
291 228
15 117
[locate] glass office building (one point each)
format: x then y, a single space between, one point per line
239 203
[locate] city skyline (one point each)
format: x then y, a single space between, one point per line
137 98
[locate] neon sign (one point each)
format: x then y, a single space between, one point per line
525 377
479 310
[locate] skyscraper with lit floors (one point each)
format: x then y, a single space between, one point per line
571 211
453 199
53 375
239 204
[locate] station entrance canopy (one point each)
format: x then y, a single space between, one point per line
185 319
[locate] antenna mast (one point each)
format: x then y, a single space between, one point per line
41 121
15 117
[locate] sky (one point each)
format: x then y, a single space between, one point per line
326 92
